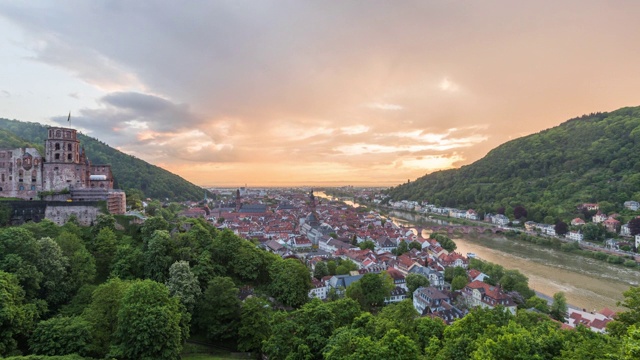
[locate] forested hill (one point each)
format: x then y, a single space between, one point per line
129 172
593 158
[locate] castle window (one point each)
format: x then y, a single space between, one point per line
34 173
0 188
33 187
18 162
69 157
21 188
2 177
35 162
57 147
57 156
67 134
69 147
20 173
58 133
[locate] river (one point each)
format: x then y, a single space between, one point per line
587 283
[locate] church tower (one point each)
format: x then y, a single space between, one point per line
312 201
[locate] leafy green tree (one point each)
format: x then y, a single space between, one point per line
157 256
398 346
415 245
444 241
55 288
128 263
218 310
402 248
347 343
371 290
625 319
148 323
593 232
16 318
104 247
414 281
254 328
332 267
537 303
183 284
320 270
19 255
151 225
459 338
61 336
290 282
102 222
459 282
102 314
559 309
428 328
631 344
367 244
345 267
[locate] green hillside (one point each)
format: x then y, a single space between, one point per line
593 158
129 172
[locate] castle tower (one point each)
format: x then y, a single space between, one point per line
62 146
65 166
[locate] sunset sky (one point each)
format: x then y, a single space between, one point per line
284 93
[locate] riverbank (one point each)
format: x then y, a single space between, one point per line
587 283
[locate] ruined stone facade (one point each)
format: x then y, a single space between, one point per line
24 172
64 169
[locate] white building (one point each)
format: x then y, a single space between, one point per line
575 236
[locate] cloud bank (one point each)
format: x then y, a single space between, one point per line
290 92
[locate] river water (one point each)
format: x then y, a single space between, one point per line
587 283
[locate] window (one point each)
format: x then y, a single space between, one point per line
57 156
21 188
57 147
58 133
69 147
33 187
69 157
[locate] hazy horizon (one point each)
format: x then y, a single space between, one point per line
287 93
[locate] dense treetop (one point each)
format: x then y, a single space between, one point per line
593 158
139 292
129 172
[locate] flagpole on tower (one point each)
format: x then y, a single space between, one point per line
69 118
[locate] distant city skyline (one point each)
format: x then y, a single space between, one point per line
291 93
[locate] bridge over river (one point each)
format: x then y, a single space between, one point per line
425 231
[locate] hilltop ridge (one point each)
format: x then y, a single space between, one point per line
129 171
591 158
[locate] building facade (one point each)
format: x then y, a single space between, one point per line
26 174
